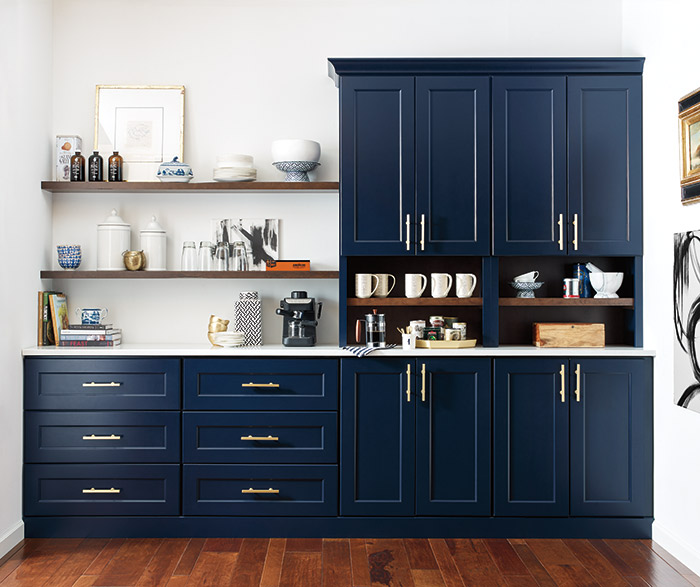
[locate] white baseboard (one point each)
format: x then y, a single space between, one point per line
11 538
688 554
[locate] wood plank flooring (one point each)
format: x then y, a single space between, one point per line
310 562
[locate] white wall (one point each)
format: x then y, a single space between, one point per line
25 150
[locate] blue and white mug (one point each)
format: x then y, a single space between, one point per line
91 315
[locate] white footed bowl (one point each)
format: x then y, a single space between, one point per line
296 150
606 284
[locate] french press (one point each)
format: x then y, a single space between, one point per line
375 330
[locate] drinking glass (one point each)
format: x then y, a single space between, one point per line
206 256
221 257
188 260
239 258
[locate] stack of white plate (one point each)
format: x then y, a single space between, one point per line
229 339
235 167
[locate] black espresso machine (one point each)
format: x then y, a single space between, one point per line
300 319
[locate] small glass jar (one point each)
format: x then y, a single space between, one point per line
206 256
189 257
239 257
221 257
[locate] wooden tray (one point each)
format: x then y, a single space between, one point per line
446 344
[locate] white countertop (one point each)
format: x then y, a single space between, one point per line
278 350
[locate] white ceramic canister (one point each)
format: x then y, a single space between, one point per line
113 238
153 241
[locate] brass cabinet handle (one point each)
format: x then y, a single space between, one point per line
251 384
251 437
110 490
578 382
562 392
422 232
575 241
408 385
251 490
561 232
110 384
95 437
422 373
408 232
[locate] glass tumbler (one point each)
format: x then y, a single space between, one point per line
239 258
206 256
188 261
221 257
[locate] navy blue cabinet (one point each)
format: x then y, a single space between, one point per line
415 437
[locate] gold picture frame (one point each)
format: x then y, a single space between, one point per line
146 124
689 131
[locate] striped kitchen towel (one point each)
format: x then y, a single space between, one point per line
363 351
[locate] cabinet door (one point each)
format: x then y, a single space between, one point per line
377 165
453 437
377 438
529 165
531 437
611 437
605 164
453 171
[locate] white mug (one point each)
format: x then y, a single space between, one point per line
530 276
408 341
440 284
415 284
363 284
466 283
383 289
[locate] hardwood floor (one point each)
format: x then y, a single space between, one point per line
308 562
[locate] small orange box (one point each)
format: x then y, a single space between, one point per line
288 265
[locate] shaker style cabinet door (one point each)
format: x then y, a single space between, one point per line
377 437
453 170
605 165
453 437
611 437
377 184
529 165
531 437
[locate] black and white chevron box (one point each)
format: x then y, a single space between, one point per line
247 317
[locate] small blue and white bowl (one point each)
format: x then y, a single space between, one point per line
174 171
69 256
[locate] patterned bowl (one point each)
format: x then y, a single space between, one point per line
526 289
69 256
296 170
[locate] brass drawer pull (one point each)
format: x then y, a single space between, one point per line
408 382
422 391
408 232
578 382
575 241
110 437
110 384
251 384
560 242
562 391
422 232
110 490
251 490
251 437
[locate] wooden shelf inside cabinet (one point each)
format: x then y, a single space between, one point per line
189 274
204 186
414 302
568 302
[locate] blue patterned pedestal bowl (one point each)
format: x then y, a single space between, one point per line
174 171
526 289
69 256
296 170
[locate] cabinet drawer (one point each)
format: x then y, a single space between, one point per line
101 384
102 437
234 490
260 437
101 490
261 384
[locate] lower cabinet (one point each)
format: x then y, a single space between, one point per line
573 437
415 437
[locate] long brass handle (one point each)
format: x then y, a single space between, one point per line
561 232
408 384
422 232
422 391
408 232
575 241
251 384
110 384
251 490
95 437
563 384
110 490
251 437
578 382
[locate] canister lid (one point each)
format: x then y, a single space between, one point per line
153 226
113 219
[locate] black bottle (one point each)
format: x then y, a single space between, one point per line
116 163
77 167
95 167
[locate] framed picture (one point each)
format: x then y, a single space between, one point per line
146 124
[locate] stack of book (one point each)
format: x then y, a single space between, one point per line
104 335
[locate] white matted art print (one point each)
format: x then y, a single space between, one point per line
260 235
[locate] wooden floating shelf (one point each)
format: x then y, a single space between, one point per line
189 274
384 302
204 186
568 302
